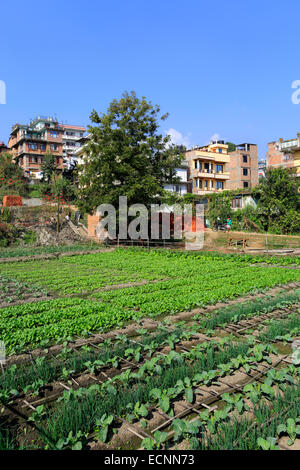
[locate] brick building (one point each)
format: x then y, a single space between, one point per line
276 157
284 153
243 167
29 144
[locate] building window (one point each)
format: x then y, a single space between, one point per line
32 146
196 183
54 134
219 168
220 184
245 158
246 185
205 183
196 164
43 146
220 150
236 203
245 171
54 147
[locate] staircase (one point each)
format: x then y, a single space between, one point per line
80 230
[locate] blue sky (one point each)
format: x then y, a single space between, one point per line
217 67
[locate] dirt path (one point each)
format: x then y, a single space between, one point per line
55 255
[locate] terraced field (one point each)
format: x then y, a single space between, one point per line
153 350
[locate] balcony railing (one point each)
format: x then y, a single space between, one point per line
289 144
211 174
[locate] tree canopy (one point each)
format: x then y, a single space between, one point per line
48 167
126 155
231 147
279 200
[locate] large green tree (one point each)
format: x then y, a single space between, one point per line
126 155
279 201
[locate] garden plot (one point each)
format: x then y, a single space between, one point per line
14 292
162 384
170 283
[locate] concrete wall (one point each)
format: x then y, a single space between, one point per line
34 202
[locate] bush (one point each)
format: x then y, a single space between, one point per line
287 223
5 215
29 237
247 219
8 234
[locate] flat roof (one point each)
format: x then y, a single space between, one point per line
69 126
245 143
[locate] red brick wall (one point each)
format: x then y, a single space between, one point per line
9 201
93 221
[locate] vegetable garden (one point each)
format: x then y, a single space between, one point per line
130 349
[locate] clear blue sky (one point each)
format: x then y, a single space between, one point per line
217 67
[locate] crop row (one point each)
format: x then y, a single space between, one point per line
85 273
57 320
244 310
24 377
95 271
45 369
175 377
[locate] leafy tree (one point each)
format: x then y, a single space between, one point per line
48 167
279 201
219 207
231 147
127 156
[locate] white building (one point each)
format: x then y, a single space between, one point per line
181 186
71 143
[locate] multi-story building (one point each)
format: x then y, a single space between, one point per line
208 168
3 147
71 139
276 156
243 167
29 144
291 153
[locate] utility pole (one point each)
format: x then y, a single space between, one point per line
57 197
